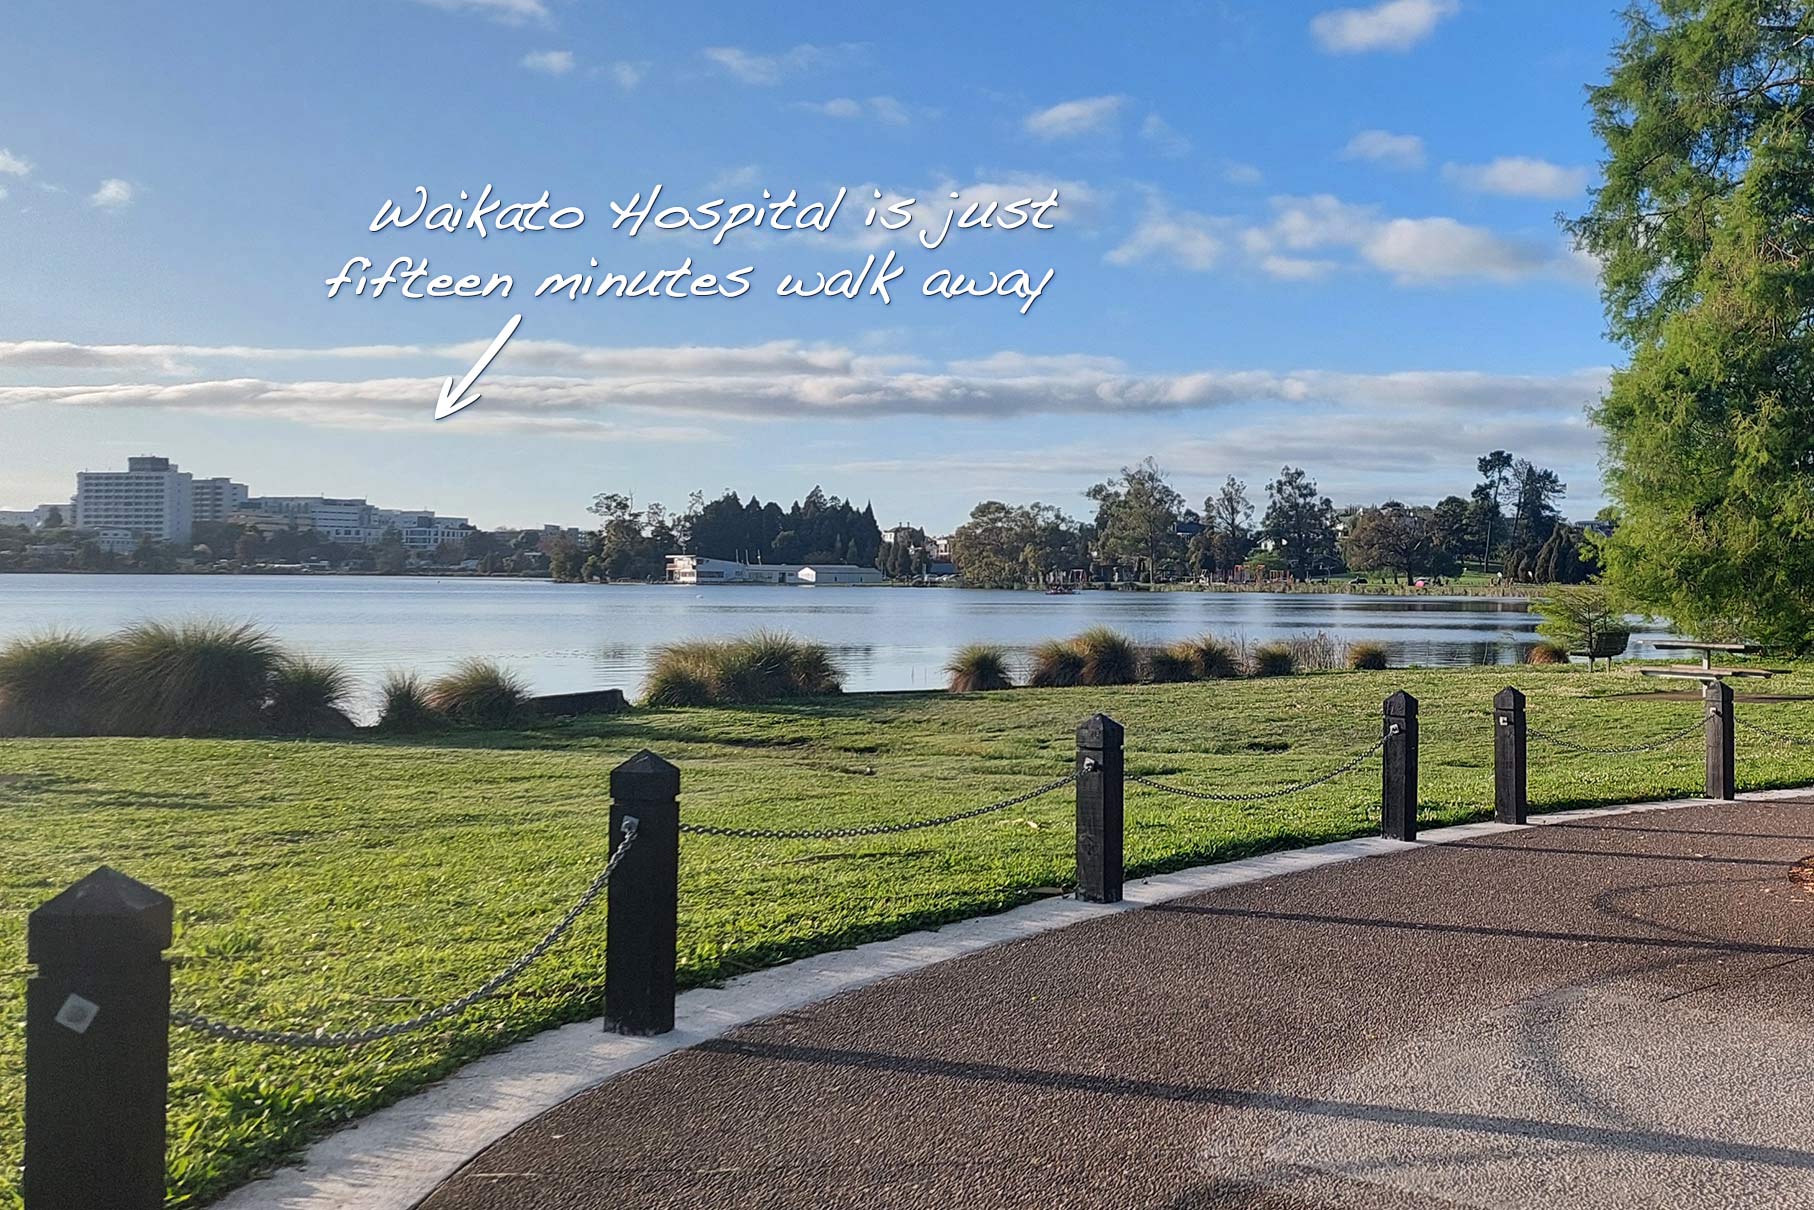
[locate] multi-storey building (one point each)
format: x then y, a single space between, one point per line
216 499
151 498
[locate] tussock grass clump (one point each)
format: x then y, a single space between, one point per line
1318 652
1169 665
1273 659
1367 657
308 697
1547 653
978 668
187 678
48 685
478 693
763 667
1057 664
405 709
1109 657
1211 658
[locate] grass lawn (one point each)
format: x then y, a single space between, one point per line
349 883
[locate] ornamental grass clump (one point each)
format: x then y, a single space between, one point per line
1367 657
308 696
405 709
1273 659
1168 665
1547 653
1057 664
48 685
978 668
188 678
1109 657
1211 658
763 667
478 693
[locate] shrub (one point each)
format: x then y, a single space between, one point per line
406 710
979 667
1547 653
308 697
478 693
1210 657
1057 664
762 667
1367 657
48 685
1273 659
1169 665
191 678
1109 657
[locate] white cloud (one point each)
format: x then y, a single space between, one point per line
1384 147
1392 25
1415 251
885 110
14 165
1164 137
675 392
628 73
741 177
549 62
1170 238
511 12
114 194
1069 119
753 68
1237 173
1520 176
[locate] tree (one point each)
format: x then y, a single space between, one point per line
54 518
1299 522
1228 523
1704 230
1391 538
1001 546
1493 468
1583 619
1137 517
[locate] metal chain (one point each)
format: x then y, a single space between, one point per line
1797 740
702 829
1348 766
321 1037
1569 745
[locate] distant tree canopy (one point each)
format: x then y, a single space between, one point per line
1300 523
818 529
1704 227
1004 546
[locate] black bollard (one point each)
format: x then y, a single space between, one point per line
1511 802
1398 778
1722 776
642 903
1099 809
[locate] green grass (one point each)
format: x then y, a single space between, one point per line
348 883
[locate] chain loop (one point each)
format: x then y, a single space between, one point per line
322 1038
1352 763
1568 745
1796 740
704 829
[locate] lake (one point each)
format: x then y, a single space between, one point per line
566 637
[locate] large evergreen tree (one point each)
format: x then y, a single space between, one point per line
1705 230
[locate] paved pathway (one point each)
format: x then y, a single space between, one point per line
1617 1012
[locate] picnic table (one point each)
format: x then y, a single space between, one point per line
1706 649
1706 672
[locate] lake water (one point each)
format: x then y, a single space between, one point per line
566 637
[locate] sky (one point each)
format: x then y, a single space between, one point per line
1286 233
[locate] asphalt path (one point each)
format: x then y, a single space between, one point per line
1616 1012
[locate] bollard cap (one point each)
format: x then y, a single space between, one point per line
645 776
104 913
1099 731
1508 698
1401 705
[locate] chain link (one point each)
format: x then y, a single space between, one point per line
1569 745
322 1038
1348 766
702 829
1797 740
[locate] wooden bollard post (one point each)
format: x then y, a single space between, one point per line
1398 778
642 903
1511 802
1099 813
1722 777
97 1047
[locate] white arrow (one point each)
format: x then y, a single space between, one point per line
454 398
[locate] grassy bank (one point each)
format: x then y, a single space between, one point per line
350 882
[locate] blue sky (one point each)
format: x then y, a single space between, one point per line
1288 232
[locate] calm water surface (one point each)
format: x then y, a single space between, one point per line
565 637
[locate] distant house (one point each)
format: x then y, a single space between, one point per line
699 570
